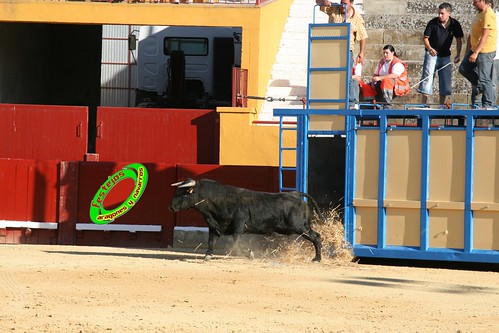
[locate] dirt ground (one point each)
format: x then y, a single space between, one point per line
98 289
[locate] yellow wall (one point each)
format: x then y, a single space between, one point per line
243 143
262 29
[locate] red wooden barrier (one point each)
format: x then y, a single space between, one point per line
157 135
151 209
29 194
59 194
43 132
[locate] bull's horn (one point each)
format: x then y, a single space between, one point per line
189 183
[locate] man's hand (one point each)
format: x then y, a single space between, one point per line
323 2
473 57
361 58
457 59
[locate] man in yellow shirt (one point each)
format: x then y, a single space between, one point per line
478 62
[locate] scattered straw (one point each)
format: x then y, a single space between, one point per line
294 249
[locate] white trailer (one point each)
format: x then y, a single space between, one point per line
186 66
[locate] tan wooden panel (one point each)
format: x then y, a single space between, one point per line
485 206
402 227
326 123
402 204
366 164
403 166
328 53
367 226
446 229
486 167
447 205
328 105
447 166
486 231
328 85
365 202
329 31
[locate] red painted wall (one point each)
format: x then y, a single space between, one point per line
29 190
157 135
152 208
52 191
43 132
43 177
29 193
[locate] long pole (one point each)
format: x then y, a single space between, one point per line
426 78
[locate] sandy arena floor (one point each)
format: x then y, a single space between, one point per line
97 289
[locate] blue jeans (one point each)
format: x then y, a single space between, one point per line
481 75
353 91
430 65
496 74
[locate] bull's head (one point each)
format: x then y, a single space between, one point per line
186 195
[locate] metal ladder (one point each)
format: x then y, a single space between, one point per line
303 120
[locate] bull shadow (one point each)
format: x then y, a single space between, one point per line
406 284
161 254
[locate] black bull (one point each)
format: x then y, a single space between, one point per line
230 210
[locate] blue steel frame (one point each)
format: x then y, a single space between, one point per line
381 250
302 120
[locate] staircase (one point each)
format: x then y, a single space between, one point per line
289 73
402 26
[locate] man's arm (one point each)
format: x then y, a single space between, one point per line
481 43
323 4
362 46
459 46
426 42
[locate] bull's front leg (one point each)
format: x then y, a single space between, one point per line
239 230
211 242
238 249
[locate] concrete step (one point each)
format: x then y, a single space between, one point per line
291 75
293 58
287 92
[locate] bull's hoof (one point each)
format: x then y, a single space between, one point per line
316 259
208 257
251 255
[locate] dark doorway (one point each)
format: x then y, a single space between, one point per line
223 60
53 64
326 171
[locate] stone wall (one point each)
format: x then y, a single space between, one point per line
402 23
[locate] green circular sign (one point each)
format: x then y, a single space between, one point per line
138 173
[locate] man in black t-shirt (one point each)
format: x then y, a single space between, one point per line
437 39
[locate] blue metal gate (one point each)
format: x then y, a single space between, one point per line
419 183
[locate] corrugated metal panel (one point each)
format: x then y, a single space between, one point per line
118 72
115 75
43 132
157 135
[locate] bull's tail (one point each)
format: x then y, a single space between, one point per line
312 204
